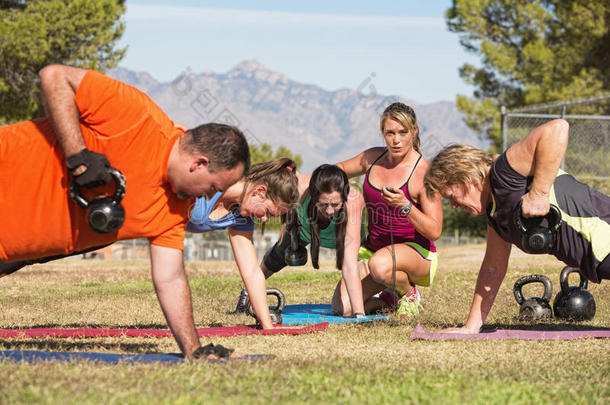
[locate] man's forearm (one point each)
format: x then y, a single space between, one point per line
174 294
176 303
58 91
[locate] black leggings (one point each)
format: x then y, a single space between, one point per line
274 258
11 267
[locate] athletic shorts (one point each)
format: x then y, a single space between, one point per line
365 254
11 267
603 270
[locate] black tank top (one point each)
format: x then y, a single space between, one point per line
582 240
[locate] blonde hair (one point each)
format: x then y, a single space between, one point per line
406 117
457 164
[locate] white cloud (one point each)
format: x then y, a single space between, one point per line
175 14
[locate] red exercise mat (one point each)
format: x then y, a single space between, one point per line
500 334
225 331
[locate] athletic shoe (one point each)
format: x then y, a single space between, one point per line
409 303
242 302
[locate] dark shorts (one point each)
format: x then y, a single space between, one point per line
603 270
274 258
11 267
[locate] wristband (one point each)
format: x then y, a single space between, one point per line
406 209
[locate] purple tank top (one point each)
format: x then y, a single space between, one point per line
379 213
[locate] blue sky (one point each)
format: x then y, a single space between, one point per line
389 47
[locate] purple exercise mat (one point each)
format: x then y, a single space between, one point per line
499 334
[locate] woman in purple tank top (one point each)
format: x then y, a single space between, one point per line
402 217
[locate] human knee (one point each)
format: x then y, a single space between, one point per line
340 307
340 303
378 267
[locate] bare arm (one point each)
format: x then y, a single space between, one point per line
350 271
58 84
540 154
174 294
359 164
251 274
491 275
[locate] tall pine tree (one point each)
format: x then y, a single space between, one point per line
35 33
532 51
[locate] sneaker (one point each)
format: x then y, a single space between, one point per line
242 302
409 303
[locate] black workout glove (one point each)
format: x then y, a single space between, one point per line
97 168
218 350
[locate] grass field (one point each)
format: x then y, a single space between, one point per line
366 363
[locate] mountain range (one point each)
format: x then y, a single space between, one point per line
322 126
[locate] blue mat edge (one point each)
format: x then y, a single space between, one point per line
294 315
32 356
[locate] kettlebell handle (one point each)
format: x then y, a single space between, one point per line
281 302
553 217
119 192
563 279
533 278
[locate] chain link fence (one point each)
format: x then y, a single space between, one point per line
588 154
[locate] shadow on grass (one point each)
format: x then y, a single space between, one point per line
39 344
92 326
554 327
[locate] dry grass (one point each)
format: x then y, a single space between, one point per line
345 364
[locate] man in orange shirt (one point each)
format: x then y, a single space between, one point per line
94 122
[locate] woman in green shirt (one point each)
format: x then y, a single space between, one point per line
329 215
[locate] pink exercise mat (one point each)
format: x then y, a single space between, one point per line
223 331
499 334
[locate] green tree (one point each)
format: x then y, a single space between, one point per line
531 52
35 33
455 219
265 153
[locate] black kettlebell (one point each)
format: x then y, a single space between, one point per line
573 303
295 254
534 308
106 214
275 312
536 238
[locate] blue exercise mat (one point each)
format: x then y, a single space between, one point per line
305 314
32 356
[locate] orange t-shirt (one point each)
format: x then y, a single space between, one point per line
37 216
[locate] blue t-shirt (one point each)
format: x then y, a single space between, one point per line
200 218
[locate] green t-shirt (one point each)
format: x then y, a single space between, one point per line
327 235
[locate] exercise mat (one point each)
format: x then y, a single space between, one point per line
32 356
222 331
500 334
305 314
